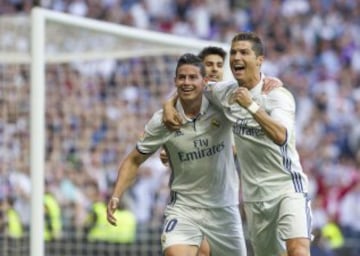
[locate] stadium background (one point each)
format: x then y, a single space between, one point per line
94 113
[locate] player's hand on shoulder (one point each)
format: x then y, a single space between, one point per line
271 83
171 119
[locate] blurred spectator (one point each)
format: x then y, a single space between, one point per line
319 245
125 231
53 226
333 235
96 223
10 222
350 216
96 226
11 228
53 215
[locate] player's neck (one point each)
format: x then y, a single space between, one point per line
251 82
191 109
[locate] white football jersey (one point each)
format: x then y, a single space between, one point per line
267 169
200 156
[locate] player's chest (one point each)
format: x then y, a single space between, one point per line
202 133
240 115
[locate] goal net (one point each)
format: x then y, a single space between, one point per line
75 94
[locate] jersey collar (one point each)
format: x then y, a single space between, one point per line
203 108
256 90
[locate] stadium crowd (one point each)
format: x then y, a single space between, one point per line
313 46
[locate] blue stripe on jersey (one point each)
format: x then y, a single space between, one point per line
295 176
173 196
138 149
308 215
171 179
298 178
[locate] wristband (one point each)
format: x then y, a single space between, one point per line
253 108
115 198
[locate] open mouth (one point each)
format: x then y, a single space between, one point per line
239 67
186 90
213 77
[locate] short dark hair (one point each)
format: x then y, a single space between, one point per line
252 37
190 59
212 50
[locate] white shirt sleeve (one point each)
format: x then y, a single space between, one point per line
218 93
280 104
154 136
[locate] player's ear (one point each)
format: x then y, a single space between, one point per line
259 60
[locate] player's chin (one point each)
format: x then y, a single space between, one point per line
238 74
186 95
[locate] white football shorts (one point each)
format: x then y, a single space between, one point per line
271 223
221 226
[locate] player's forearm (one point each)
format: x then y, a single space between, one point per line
127 173
126 177
170 103
275 131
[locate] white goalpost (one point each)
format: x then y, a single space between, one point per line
37 133
58 38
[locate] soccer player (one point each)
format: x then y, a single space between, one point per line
213 58
274 186
204 182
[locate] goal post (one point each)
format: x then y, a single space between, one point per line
54 38
37 132
165 43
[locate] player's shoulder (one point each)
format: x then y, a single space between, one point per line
155 121
220 86
157 116
280 92
280 96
